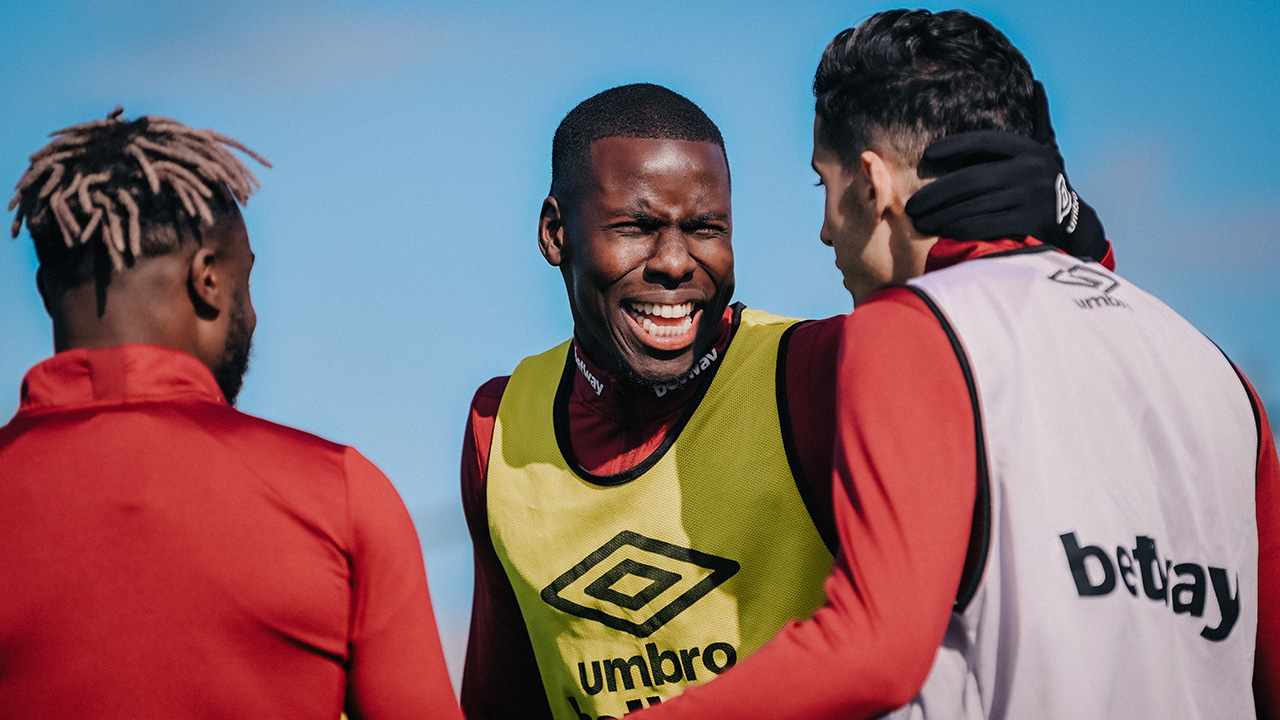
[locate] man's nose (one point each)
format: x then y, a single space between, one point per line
671 264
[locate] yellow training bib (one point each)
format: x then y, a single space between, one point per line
632 591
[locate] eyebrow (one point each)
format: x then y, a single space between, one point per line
706 218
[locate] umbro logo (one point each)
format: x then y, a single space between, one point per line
637 584
1085 276
1068 203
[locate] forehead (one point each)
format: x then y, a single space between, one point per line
623 164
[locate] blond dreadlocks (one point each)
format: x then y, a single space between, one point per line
110 178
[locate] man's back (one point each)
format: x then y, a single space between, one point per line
1122 454
167 555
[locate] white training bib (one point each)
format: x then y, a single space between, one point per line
1121 552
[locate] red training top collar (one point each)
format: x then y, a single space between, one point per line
82 378
946 253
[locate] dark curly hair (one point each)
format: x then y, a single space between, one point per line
137 187
904 78
642 110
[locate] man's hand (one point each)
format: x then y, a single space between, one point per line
999 184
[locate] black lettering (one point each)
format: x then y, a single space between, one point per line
598 684
654 700
1126 570
709 657
618 665
634 705
686 659
1145 554
656 659
1194 603
1228 604
581 715
1076 557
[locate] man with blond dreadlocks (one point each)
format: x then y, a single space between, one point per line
164 554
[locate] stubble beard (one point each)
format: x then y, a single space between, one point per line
235 356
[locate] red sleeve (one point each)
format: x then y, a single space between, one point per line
1266 668
905 483
500 676
396 667
809 412
1108 261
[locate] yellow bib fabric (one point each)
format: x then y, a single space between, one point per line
632 591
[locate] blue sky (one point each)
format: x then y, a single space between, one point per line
397 264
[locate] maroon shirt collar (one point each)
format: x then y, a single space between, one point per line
946 253
613 395
83 378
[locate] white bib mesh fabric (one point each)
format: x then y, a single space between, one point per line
1121 571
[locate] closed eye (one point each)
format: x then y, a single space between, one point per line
706 225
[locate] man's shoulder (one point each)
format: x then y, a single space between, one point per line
489 395
756 316
287 433
258 437
551 358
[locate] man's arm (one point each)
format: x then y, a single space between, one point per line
1266 668
396 667
905 482
500 678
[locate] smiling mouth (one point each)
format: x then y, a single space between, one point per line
663 322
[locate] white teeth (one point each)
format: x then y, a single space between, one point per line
666 331
666 311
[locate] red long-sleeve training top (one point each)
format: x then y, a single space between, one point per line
168 556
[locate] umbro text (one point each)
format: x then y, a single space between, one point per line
1098 301
656 667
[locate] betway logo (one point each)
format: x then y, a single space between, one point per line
1143 563
695 371
582 367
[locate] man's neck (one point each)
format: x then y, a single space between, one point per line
616 423
623 395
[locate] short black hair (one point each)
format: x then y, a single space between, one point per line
909 77
641 110
106 193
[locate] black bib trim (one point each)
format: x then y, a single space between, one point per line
975 560
824 523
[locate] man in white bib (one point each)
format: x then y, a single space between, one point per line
1107 517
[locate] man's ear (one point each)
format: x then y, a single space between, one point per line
206 283
551 231
884 193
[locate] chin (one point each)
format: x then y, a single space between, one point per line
658 373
